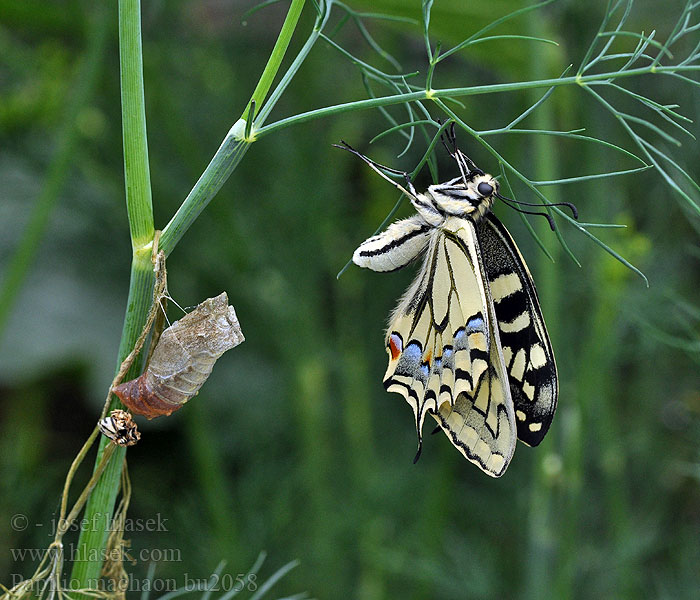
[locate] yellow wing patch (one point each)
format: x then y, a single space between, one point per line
444 353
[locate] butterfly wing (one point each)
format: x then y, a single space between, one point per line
394 247
526 347
444 353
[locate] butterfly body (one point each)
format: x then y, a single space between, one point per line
467 342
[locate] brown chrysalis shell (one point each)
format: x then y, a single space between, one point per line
183 359
119 427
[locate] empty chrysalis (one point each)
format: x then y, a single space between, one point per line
183 359
119 427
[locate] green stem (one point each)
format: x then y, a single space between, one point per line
137 176
67 139
138 195
275 60
215 175
456 92
100 506
237 142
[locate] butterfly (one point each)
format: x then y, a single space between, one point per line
467 343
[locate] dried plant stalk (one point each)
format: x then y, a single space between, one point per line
183 359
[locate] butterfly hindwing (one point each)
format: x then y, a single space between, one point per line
444 354
526 347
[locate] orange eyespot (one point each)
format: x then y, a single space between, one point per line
395 346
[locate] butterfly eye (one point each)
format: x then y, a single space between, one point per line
485 189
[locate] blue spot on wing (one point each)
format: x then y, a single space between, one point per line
475 324
413 351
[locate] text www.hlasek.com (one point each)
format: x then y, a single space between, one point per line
74 553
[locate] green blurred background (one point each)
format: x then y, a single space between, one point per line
292 446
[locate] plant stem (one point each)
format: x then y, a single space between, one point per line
100 506
215 175
137 177
458 92
276 56
236 143
140 210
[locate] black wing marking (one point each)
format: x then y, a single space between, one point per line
444 354
526 347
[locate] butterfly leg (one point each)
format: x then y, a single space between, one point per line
466 165
377 168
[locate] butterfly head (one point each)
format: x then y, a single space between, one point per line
471 195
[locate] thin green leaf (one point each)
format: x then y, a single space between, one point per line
665 112
568 134
199 587
365 66
604 225
639 36
397 128
686 79
491 38
251 11
537 104
378 16
590 177
427 6
647 148
649 125
492 25
214 579
564 245
511 193
672 162
536 237
614 254
601 32
375 46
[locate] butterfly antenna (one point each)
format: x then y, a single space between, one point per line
379 169
546 215
569 205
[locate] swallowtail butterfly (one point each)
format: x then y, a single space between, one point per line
467 343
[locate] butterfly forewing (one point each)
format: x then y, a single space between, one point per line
526 347
444 355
